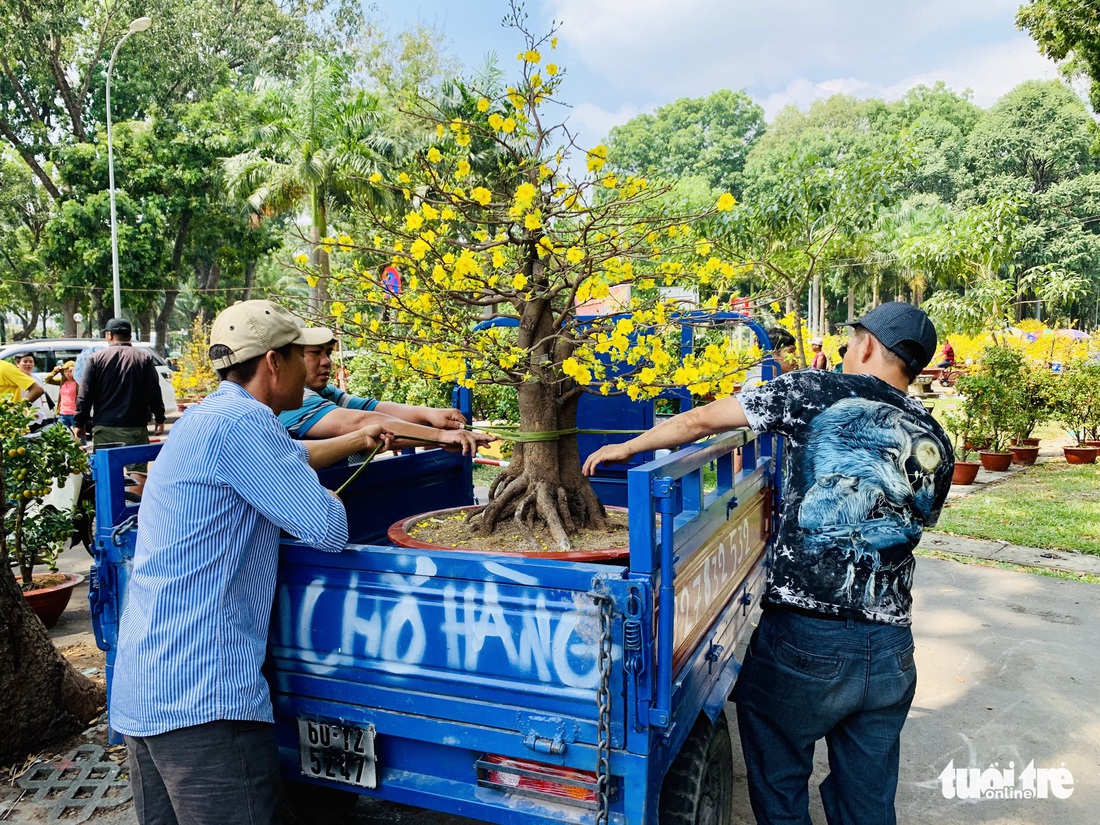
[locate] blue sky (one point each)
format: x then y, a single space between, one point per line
624 57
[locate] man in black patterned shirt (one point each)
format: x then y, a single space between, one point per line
867 470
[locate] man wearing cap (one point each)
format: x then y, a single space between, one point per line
328 411
820 360
119 392
867 470
187 693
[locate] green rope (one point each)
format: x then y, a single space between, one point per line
354 475
512 432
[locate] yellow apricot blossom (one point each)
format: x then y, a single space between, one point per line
482 195
434 155
726 202
462 169
519 281
597 157
483 105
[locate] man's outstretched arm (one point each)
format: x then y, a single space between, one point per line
699 422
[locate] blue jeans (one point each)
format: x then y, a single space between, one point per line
805 679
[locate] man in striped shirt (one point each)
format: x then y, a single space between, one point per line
187 692
328 411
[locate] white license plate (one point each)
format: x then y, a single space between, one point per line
337 752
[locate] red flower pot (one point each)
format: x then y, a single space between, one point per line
1025 442
995 462
49 603
965 472
1080 455
1024 456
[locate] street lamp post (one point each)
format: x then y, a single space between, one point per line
138 25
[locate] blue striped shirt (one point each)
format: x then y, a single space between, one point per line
193 633
316 405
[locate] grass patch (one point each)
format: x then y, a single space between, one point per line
1052 505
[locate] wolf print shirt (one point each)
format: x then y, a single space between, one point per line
867 469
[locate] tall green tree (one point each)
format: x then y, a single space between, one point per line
316 142
1067 30
707 137
25 288
1033 146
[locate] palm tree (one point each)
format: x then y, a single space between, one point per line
316 142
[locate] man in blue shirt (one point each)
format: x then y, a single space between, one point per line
187 692
328 411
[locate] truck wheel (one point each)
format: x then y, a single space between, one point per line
698 789
314 804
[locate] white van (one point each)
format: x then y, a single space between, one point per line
49 352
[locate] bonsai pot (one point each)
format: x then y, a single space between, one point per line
1091 442
995 462
1081 455
48 603
976 444
399 534
1024 456
965 472
1025 442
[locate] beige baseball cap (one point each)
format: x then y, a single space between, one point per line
251 328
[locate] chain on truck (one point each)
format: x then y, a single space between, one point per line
510 690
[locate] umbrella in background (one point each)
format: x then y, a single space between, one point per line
1075 334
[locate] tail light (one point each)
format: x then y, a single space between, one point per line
537 779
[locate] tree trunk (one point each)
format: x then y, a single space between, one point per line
45 700
144 331
68 308
318 294
543 486
851 299
164 317
249 280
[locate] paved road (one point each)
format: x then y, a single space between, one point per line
1008 675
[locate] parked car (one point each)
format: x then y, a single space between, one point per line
49 352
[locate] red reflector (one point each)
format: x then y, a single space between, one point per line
539 778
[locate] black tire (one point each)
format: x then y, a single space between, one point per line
309 804
698 788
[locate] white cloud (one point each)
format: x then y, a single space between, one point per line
593 123
988 72
672 48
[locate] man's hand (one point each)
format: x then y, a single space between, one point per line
443 419
464 440
371 435
158 428
608 454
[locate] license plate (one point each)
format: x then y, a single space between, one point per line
337 752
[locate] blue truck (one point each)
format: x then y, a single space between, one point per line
505 689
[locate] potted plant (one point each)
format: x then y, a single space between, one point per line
985 402
35 529
1030 401
1077 406
966 469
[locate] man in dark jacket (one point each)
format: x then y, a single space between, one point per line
120 391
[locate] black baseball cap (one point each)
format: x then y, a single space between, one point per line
898 323
119 325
